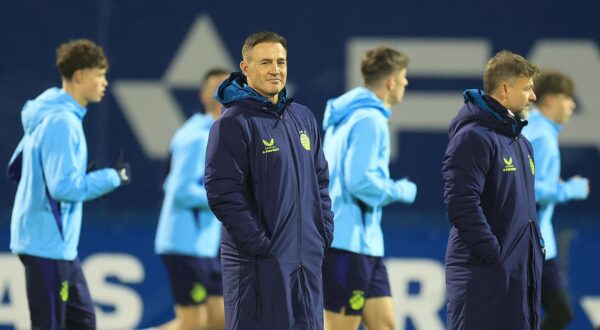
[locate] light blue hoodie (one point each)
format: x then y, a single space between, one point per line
549 188
186 225
357 147
54 162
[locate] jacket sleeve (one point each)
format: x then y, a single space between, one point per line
189 188
550 189
362 176
546 187
465 166
322 171
64 172
228 188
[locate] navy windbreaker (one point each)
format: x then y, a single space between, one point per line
495 252
267 182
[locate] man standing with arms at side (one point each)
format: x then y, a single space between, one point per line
267 182
357 145
188 233
554 107
495 251
50 166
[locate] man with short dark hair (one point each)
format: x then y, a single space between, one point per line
495 251
554 107
267 182
188 234
357 146
50 165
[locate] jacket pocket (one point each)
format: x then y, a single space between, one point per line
511 247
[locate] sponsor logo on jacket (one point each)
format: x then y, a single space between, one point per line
269 146
508 165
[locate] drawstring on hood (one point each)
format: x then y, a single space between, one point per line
338 109
53 100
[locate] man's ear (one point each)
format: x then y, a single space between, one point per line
390 82
244 67
504 89
77 76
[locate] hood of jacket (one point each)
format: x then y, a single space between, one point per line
52 101
235 89
484 109
341 107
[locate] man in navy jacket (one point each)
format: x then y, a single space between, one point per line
495 252
267 182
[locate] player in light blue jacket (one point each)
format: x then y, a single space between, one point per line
189 234
50 166
555 106
357 147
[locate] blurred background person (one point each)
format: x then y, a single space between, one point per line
553 108
188 234
357 147
50 165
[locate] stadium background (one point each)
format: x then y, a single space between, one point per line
158 52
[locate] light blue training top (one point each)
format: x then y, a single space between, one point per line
54 162
186 225
357 148
549 188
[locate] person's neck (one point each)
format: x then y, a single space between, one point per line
511 113
548 113
215 112
382 94
73 91
273 98
498 99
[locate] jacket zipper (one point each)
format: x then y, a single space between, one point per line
298 211
531 288
300 270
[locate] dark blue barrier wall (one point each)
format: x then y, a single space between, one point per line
158 52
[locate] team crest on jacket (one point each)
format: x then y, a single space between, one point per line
508 165
269 146
531 164
304 140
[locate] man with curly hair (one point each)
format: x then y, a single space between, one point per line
50 165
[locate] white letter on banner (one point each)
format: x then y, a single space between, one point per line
12 286
421 308
128 306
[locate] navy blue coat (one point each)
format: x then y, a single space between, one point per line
267 182
495 252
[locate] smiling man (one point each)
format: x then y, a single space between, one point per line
495 251
267 182
50 164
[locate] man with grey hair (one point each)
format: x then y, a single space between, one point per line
495 250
